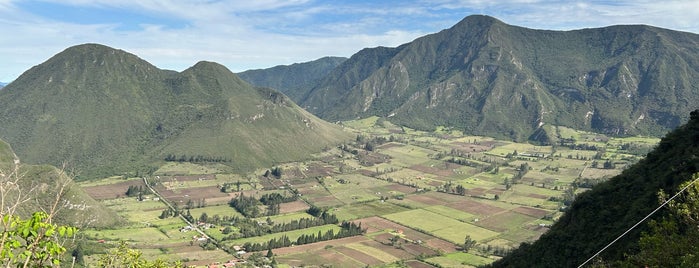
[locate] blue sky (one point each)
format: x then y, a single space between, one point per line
250 34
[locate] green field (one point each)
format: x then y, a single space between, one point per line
405 186
441 226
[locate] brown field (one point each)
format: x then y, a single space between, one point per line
110 191
378 224
416 250
529 211
471 147
267 183
292 173
319 245
475 207
441 171
441 244
401 188
319 257
293 207
358 255
417 264
318 169
194 194
425 200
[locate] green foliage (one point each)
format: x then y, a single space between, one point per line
469 243
672 240
493 79
34 242
108 112
599 215
292 80
123 256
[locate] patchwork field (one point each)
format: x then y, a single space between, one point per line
416 197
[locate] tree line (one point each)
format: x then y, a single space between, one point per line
347 229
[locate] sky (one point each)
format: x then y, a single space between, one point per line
254 34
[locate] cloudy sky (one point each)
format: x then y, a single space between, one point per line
250 34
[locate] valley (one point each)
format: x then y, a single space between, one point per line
405 198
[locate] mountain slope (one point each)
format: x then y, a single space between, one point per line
292 79
38 185
104 111
490 78
598 216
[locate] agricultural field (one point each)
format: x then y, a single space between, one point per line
394 196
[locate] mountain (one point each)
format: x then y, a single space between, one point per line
2 85
38 186
490 78
104 111
292 80
598 216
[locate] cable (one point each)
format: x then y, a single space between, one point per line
639 222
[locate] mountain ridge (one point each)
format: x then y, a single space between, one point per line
619 80
106 111
290 79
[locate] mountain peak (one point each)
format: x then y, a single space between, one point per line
477 21
209 66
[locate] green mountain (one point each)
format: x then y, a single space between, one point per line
598 216
35 187
104 111
292 80
490 78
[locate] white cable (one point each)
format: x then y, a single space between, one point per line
639 222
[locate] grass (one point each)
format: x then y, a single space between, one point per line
372 251
293 235
364 210
459 259
440 226
412 162
451 213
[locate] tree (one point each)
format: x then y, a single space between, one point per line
32 242
468 243
672 241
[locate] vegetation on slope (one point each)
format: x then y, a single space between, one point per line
598 216
104 111
27 189
292 79
494 79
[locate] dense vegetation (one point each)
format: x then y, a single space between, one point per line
493 79
292 79
601 214
104 111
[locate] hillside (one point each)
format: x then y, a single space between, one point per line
104 111
38 186
598 216
494 79
293 79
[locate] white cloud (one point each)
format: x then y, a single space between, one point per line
260 34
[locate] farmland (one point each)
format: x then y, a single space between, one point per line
416 196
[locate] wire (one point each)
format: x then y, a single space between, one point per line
639 222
